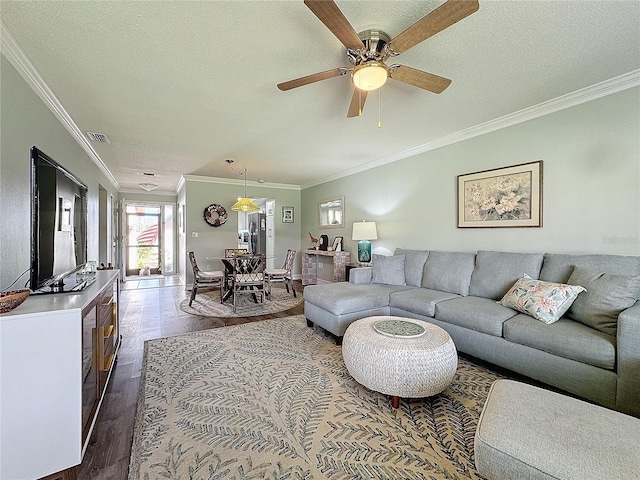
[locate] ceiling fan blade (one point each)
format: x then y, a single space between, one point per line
316 77
420 79
329 14
357 103
442 17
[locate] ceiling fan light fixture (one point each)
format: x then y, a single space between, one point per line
370 76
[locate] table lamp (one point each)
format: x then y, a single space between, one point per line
364 231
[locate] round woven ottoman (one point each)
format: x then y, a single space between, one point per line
398 360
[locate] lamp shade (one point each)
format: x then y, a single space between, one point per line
245 205
364 231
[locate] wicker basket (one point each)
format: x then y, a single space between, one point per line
11 299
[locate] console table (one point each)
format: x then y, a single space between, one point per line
57 352
310 265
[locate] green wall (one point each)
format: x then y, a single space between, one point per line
591 187
199 192
26 121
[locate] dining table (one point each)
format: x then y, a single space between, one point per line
229 270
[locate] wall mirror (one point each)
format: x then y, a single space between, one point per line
332 213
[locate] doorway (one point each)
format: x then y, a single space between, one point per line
149 241
143 241
256 230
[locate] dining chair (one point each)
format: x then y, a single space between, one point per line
204 279
230 253
275 275
248 277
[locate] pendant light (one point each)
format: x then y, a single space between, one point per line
243 204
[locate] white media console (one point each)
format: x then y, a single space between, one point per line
57 353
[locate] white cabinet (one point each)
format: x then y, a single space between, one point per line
44 368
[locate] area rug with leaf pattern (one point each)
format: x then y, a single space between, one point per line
207 304
273 399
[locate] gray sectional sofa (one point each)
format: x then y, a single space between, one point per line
592 350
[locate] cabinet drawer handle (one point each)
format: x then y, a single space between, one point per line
109 362
107 301
108 331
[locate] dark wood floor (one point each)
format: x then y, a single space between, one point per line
145 314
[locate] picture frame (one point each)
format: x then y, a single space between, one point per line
337 244
287 215
501 197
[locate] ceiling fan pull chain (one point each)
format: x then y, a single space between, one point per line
359 102
379 108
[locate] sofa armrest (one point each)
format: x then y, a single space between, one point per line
361 275
628 358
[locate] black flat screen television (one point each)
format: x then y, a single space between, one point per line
58 226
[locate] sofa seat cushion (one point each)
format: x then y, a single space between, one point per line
480 314
346 297
565 338
419 300
496 272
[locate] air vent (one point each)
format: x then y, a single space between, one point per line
98 137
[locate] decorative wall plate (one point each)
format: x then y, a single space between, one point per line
215 215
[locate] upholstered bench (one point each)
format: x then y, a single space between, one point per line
526 432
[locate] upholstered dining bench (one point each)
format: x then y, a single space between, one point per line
526 432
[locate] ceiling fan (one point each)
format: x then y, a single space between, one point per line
369 50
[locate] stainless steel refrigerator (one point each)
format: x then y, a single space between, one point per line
257 233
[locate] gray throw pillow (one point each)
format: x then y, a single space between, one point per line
607 295
388 270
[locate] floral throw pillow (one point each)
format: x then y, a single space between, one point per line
544 301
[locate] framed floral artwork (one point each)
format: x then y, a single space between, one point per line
502 197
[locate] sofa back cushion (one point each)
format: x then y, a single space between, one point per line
449 271
413 265
605 297
557 267
388 270
496 272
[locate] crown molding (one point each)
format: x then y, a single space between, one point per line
16 56
231 181
602 89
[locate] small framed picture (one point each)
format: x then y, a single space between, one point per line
337 244
287 214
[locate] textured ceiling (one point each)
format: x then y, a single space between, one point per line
178 87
